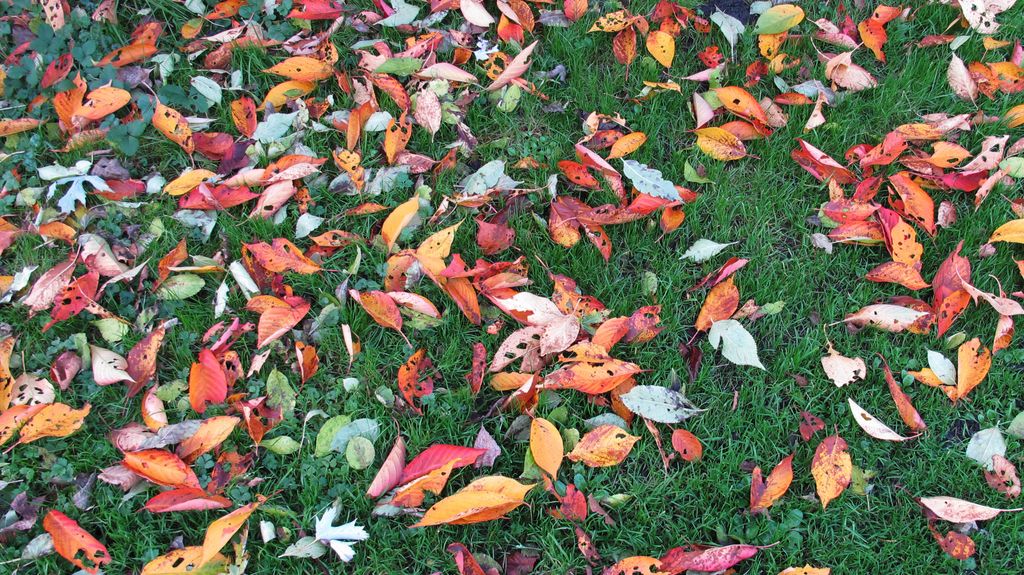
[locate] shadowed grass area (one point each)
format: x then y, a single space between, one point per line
751 417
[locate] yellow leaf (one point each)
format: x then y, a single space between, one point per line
720 144
662 46
184 183
281 93
546 446
1012 231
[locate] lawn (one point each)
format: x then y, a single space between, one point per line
765 203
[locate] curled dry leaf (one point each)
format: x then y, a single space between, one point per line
873 426
960 511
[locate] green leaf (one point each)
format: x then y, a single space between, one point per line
1014 167
327 432
400 66
282 445
180 286
778 19
368 428
112 329
359 453
691 175
280 394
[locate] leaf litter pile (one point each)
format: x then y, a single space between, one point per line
346 212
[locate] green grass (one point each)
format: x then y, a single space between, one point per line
764 204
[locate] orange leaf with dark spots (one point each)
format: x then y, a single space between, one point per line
687 445
414 379
174 126
75 544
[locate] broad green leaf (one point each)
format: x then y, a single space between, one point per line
327 432
368 428
112 329
400 66
778 19
282 445
359 453
280 394
180 286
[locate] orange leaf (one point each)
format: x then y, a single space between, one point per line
183 562
763 494
220 531
396 136
102 102
398 219
574 9
546 446
277 316
6 378
161 467
142 360
907 411
740 102
624 46
484 499
973 363
627 144
14 417
211 433
174 126
207 382
897 273
281 256
381 308
412 493
721 303
9 127
54 420
75 544
413 380
832 468
603 446
662 46
302 68
243 114
687 445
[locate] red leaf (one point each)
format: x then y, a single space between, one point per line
436 456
